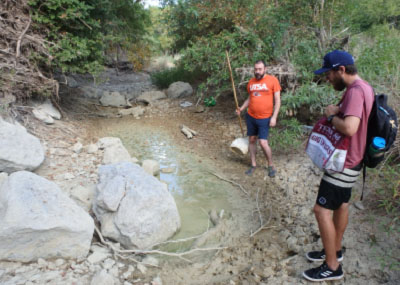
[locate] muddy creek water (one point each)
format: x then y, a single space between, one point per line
195 189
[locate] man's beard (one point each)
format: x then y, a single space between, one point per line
258 76
338 84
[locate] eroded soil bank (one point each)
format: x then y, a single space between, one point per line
282 205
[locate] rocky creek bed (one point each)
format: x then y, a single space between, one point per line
263 235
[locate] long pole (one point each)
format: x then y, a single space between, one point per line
234 91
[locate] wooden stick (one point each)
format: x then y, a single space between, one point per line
234 90
230 181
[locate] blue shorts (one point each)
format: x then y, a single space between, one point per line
257 127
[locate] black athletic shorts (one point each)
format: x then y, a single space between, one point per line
335 188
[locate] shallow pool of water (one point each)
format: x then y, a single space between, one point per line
195 189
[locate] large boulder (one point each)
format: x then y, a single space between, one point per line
114 150
133 207
113 99
151 96
19 150
179 89
37 220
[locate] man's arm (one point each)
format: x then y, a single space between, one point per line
347 126
277 106
244 106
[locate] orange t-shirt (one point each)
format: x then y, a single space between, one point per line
261 96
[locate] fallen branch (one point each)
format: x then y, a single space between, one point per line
186 239
230 181
263 226
138 251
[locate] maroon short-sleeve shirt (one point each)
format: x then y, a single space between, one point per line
357 101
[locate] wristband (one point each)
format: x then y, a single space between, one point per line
330 118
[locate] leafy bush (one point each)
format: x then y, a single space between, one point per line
81 32
162 79
287 136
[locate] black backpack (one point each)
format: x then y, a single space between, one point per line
382 122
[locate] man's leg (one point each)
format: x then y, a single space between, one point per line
267 151
340 220
253 149
328 234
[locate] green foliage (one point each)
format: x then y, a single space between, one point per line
378 58
162 79
158 35
81 32
315 97
287 136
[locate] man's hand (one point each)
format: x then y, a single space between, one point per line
238 111
331 110
272 122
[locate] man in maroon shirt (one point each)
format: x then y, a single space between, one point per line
349 117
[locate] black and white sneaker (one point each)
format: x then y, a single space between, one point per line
320 255
323 273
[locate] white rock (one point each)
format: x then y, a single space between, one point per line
135 111
107 142
42 263
134 160
92 148
83 195
37 220
18 149
152 167
49 109
114 271
69 176
77 147
150 260
108 263
146 214
114 151
97 257
59 262
102 278
151 96
179 89
113 99
42 116
142 268
156 281
3 177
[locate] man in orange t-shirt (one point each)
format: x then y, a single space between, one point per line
263 107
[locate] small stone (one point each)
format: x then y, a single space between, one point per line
199 109
142 268
114 271
42 263
150 260
59 262
151 166
102 278
97 257
92 148
156 281
77 147
68 176
108 263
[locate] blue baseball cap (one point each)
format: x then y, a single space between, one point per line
335 58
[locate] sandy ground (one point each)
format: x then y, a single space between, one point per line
281 205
